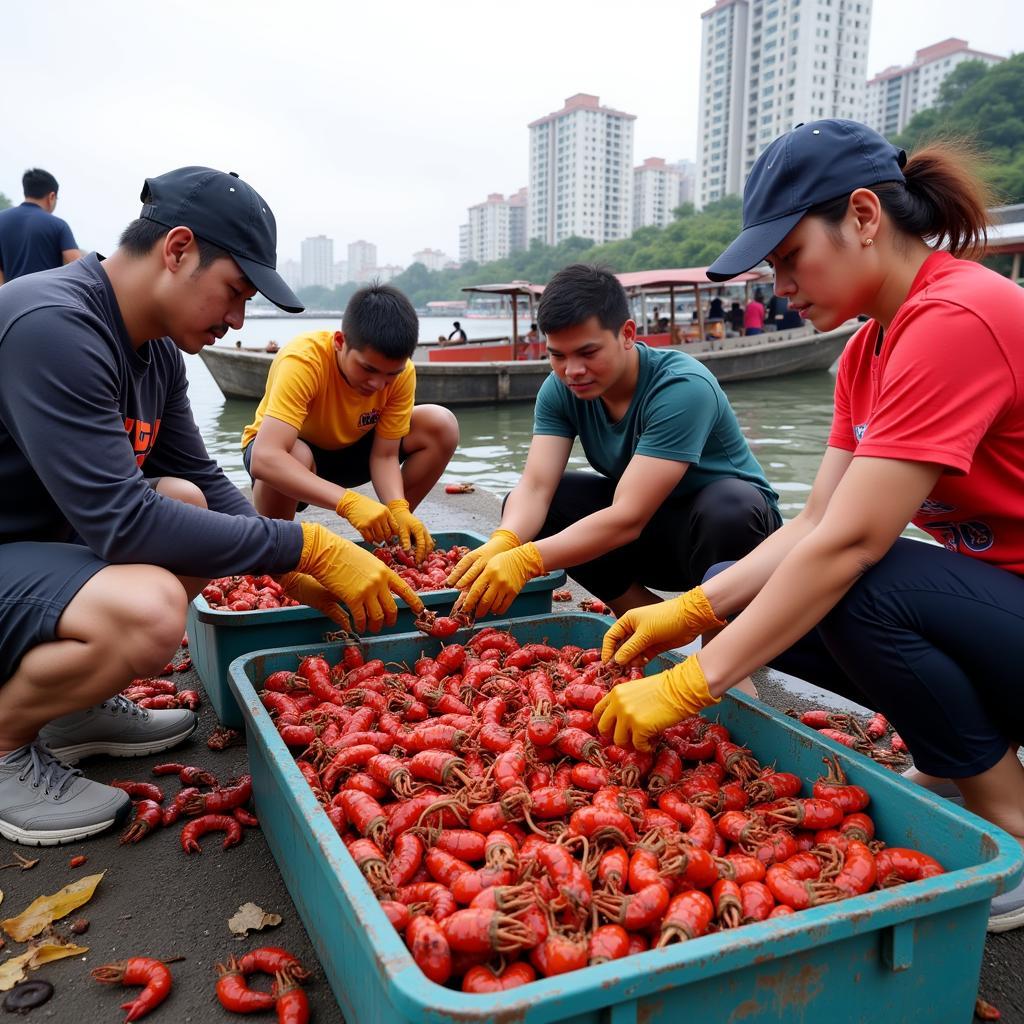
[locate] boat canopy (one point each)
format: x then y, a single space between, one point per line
514 289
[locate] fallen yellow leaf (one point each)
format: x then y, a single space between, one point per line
45 909
15 968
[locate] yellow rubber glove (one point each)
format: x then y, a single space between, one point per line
472 564
636 712
372 519
355 577
410 529
500 581
655 628
303 588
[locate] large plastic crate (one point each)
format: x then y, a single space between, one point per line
910 954
217 637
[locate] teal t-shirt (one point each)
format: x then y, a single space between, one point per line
679 412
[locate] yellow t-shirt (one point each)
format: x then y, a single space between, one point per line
305 389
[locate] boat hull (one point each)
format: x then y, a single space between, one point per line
241 374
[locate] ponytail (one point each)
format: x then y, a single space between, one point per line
943 200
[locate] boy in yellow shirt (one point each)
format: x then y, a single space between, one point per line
338 412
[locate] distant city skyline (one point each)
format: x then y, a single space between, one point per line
345 143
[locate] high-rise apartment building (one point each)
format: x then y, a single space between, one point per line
896 94
318 261
362 260
581 173
386 273
494 228
340 272
658 188
291 271
767 65
432 259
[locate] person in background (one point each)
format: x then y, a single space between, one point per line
272 346
534 346
32 238
927 428
112 514
753 315
716 311
338 412
458 335
735 317
676 482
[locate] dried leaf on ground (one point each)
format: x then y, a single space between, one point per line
15 968
251 918
21 862
45 909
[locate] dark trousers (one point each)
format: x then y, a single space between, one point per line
935 641
683 538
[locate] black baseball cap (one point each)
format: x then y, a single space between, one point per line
811 164
222 209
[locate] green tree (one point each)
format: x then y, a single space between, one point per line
4 201
959 80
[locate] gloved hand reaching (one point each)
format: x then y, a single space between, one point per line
355 577
655 628
410 529
499 582
638 711
472 564
372 519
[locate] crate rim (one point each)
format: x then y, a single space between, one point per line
224 617
609 984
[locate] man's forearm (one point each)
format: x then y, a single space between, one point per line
525 511
386 477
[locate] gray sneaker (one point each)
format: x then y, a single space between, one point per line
1007 910
119 728
45 803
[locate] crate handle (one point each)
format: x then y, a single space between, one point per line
898 946
620 1013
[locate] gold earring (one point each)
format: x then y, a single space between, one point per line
869 241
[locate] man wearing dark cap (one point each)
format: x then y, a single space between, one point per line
112 514
31 237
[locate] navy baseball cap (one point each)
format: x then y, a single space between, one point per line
811 164
222 209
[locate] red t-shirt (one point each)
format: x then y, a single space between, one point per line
947 387
754 314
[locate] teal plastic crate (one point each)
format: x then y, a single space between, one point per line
910 954
217 637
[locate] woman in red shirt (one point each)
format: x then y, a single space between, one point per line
928 428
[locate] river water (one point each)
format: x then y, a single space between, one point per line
785 419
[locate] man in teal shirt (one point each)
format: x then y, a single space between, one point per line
677 488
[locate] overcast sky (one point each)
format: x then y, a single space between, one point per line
381 121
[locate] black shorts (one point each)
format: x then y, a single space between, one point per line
685 536
346 467
37 582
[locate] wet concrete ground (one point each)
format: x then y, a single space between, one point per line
156 901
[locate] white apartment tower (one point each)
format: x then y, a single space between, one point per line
896 94
432 259
658 188
495 228
318 261
767 65
362 261
581 173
